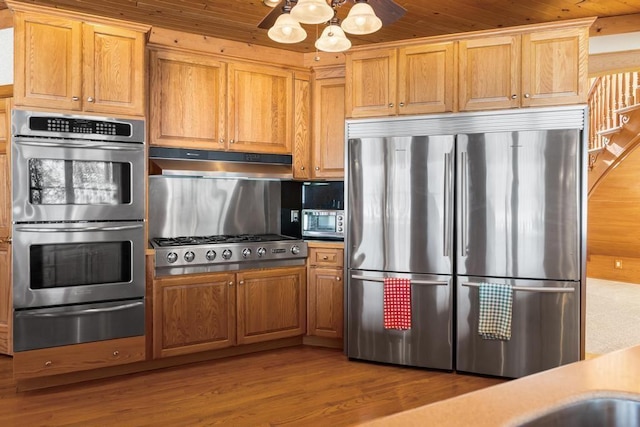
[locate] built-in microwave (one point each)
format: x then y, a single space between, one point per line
323 223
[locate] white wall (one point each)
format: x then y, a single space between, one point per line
614 43
6 56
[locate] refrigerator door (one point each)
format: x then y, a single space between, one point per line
400 207
518 204
429 341
545 328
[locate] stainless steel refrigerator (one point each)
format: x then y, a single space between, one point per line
401 225
455 200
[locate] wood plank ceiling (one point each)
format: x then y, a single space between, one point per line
238 19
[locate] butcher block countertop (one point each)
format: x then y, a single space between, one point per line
615 374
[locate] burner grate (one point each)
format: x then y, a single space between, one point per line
217 239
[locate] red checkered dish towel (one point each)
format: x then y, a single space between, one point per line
397 303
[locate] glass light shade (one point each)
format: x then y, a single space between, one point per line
312 11
271 3
287 30
333 40
361 20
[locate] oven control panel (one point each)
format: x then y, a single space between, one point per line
83 126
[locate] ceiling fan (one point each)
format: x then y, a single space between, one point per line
387 10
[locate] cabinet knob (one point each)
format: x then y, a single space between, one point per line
241 282
391 105
221 141
514 96
75 98
90 99
338 278
116 353
232 141
402 104
230 283
48 363
526 95
325 258
317 168
301 168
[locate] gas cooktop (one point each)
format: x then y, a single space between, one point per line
200 254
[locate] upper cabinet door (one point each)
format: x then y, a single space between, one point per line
328 128
426 79
371 83
489 75
113 74
187 100
48 55
554 67
260 109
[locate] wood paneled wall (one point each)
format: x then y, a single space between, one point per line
613 230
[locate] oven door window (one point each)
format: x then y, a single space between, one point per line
324 223
80 264
77 182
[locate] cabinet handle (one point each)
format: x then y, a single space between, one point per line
75 98
48 363
241 282
116 353
514 96
232 141
526 95
221 141
317 168
230 283
391 105
325 258
338 278
301 168
402 104
90 99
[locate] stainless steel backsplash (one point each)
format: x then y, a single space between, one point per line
198 206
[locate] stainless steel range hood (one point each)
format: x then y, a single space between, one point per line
181 162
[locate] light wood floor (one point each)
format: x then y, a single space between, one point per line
303 386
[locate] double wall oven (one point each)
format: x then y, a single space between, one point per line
78 229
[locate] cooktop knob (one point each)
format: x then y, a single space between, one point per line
211 255
246 253
295 249
172 257
189 256
261 251
226 254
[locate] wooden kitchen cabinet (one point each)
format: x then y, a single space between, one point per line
6 295
198 101
328 128
325 292
187 100
302 129
67 64
533 69
193 313
271 304
79 357
416 79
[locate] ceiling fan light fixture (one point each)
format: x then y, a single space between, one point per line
333 39
361 20
312 11
287 30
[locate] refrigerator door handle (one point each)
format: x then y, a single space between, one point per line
529 289
413 282
446 246
464 204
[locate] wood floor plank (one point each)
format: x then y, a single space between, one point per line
303 386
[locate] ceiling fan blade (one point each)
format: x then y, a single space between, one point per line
387 10
270 19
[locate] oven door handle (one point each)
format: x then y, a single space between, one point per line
87 311
80 229
39 143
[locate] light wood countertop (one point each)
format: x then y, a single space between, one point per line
514 402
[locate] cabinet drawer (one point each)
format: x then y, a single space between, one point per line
326 257
79 357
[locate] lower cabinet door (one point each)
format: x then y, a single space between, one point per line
271 304
193 313
326 308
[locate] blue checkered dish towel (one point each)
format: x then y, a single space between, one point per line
496 301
